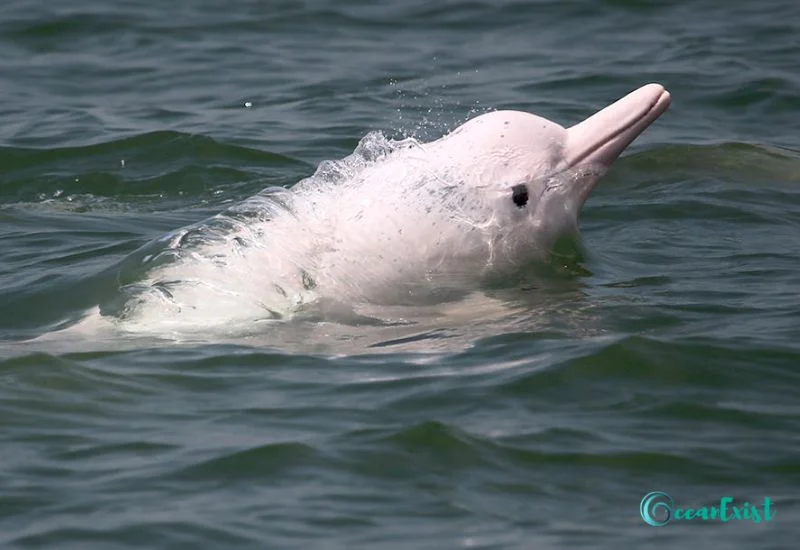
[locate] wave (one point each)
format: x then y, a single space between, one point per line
156 165
729 161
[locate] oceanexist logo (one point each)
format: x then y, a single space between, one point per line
659 509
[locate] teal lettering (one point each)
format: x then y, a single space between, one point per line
768 514
728 511
755 515
723 508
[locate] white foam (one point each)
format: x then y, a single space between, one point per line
334 235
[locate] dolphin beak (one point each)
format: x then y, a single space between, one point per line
603 136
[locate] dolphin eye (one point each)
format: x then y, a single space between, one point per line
519 194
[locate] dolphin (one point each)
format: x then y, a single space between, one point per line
492 195
400 222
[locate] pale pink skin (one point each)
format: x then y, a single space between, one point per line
397 240
517 147
603 136
426 218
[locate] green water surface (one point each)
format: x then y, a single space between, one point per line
665 360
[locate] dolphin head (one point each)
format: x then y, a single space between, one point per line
490 197
537 174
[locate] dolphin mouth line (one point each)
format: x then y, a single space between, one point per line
621 136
